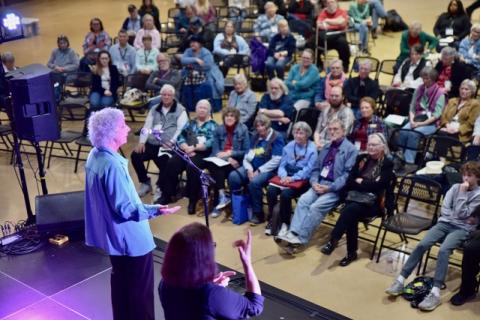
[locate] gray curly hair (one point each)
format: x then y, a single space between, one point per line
103 126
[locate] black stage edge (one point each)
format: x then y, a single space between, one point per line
73 282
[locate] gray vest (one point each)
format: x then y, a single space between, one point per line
168 121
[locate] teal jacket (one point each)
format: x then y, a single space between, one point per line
427 41
304 87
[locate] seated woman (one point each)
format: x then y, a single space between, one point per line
298 158
408 75
301 14
206 11
266 25
469 49
192 288
105 81
227 46
359 12
452 26
425 111
414 35
62 60
277 106
280 51
202 78
148 29
148 7
301 81
458 117
451 72
259 165
459 217
95 40
243 99
231 141
368 124
335 78
371 175
196 141
132 23
146 57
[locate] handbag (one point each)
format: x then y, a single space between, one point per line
240 205
276 181
366 198
420 118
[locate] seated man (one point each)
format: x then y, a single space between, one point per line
265 26
8 64
133 22
280 51
335 109
328 177
165 74
469 48
459 217
277 106
62 60
123 54
169 116
334 19
361 86
197 29
451 72
408 75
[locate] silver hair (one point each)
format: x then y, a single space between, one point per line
448 52
280 83
302 125
476 27
429 72
262 119
365 62
335 60
340 122
383 140
103 126
470 84
207 103
416 25
240 79
167 87
269 4
8 56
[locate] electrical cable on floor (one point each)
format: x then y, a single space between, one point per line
29 239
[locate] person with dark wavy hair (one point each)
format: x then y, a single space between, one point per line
192 288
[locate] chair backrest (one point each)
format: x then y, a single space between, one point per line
222 12
221 25
397 142
421 190
137 81
397 102
375 66
78 79
309 115
472 153
387 67
450 149
172 13
246 27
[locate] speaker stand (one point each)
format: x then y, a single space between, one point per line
41 168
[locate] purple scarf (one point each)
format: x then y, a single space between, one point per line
433 93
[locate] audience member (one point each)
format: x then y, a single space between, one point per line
231 142
164 75
8 64
366 188
206 11
277 106
408 75
336 109
243 99
359 12
227 46
451 72
334 19
414 35
335 78
281 8
328 178
182 20
302 81
192 288
361 86
296 164
196 141
105 82
133 22
378 11
169 116
459 115
454 225
95 40
469 49
301 14
368 124
280 51
197 29
266 25
123 54
259 165
146 58
452 26
150 30
148 7
425 110
63 59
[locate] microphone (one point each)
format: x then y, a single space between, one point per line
155 132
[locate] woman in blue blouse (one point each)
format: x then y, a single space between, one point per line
195 140
192 288
298 158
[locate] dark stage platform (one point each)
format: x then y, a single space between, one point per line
73 282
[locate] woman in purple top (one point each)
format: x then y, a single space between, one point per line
192 289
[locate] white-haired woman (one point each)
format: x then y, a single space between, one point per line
243 99
148 29
451 72
280 51
366 188
296 164
265 26
196 141
414 35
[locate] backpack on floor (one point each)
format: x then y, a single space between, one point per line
393 22
417 290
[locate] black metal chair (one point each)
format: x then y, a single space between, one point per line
387 67
397 146
408 222
355 66
309 115
396 101
445 148
75 96
137 81
5 132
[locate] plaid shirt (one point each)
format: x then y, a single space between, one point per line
375 125
265 27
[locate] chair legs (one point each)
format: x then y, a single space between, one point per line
376 242
381 245
77 158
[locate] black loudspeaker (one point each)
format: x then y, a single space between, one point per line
33 103
61 213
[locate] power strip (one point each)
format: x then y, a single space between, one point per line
10 239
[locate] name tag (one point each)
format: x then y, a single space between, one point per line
429 114
358 145
325 172
373 125
274 29
201 139
449 32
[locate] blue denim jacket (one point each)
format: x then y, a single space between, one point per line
241 141
116 220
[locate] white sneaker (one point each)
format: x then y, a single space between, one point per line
144 189
291 238
157 194
283 230
222 202
215 213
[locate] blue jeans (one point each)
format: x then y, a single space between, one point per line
98 101
273 65
238 178
452 237
193 93
363 34
411 140
378 11
310 211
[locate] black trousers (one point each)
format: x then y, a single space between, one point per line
339 43
151 153
175 166
132 287
470 266
286 197
347 223
219 174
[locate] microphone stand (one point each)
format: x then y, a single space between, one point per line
205 179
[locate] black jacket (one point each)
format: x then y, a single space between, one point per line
352 90
460 24
114 82
460 72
